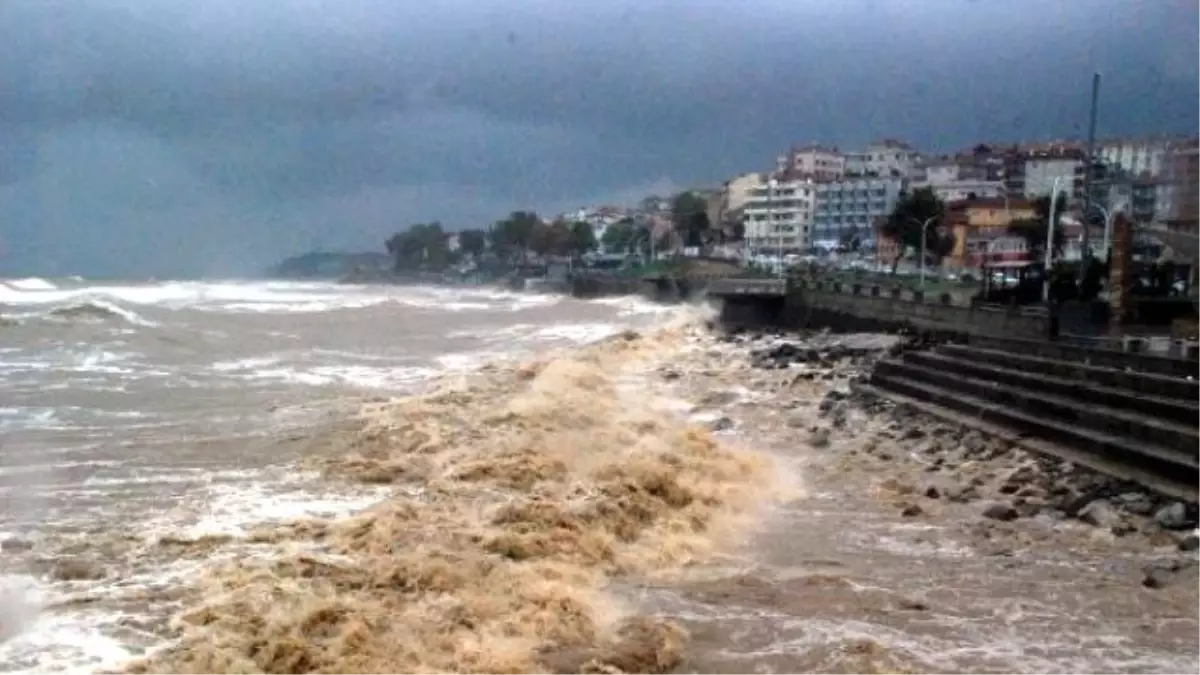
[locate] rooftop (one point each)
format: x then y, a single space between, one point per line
990 203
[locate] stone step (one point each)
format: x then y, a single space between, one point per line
1170 436
1184 412
1162 386
1100 357
1169 480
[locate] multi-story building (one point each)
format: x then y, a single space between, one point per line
1144 156
959 177
982 231
1179 188
888 158
1042 168
811 161
778 216
851 207
970 189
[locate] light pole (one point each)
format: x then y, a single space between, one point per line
1108 225
1050 241
924 229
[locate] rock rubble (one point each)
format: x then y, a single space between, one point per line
807 385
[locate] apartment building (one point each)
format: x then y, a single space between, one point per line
1178 191
778 216
957 178
982 234
888 158
851 207
1042 168
1140 156
811 161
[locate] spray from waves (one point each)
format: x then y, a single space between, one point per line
521 491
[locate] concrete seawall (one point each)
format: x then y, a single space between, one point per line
856 307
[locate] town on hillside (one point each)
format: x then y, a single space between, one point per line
875 207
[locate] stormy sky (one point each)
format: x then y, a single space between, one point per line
212 137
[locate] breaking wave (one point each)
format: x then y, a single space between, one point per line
519 492
97 310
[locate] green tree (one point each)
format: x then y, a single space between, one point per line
512 236
581 239
1034 231
472 242
421 247
689 216
735 228
850 238
905 222
550 238
619 236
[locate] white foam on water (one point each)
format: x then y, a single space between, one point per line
28 418
17 470
497 334
75 640
577 332
467 361
29 284
352 375
632 305
49 643
232 508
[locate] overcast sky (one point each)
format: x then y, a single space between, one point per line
212 137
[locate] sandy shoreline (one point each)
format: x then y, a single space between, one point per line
673 502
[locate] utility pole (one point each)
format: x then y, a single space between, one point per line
1087 178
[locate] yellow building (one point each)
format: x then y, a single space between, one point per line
977 225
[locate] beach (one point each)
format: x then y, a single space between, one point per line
250 477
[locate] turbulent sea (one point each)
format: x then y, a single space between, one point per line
309 477
135 413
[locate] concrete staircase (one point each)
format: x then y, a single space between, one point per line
1131 416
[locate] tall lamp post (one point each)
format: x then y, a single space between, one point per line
1108 225
1050 241
924 229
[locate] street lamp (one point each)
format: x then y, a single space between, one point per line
1108 224
1050 241
924 228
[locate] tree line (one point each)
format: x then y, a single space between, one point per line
904 224
522 234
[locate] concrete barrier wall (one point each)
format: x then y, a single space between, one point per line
905 310
852 306
1184 366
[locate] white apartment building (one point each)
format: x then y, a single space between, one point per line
779 217
852 206
1145 156
737 190
969 188
954 178
812 161
1042 170
885 158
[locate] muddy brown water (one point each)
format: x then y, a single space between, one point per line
145 435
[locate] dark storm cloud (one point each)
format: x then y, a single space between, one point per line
331 122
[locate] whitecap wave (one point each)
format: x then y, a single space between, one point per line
97 310
29 284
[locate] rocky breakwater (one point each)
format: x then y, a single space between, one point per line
936 547
935 464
